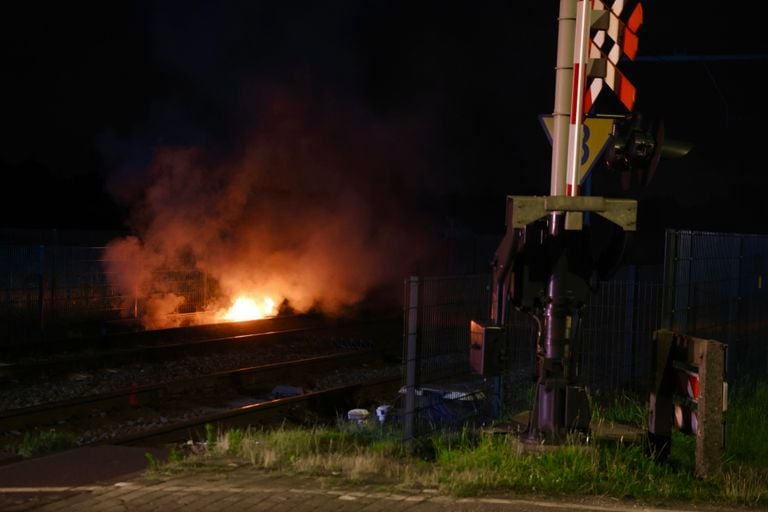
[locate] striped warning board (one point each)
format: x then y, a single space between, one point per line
615 35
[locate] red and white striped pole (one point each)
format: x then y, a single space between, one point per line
578 96
566 23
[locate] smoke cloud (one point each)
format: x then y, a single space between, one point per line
316 209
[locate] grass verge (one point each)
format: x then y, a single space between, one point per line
475 462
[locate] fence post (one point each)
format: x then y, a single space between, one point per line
734 309
205 289
669 279
41 291
411 362
661 410
52 313
630 316
692 297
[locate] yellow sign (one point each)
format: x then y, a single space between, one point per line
597 131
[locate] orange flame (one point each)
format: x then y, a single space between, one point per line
248 308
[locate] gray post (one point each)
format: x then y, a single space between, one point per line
710 435
411 362
706 358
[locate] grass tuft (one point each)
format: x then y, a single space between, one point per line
45 441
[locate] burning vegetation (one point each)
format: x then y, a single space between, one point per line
307 215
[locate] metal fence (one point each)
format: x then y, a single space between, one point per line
617 327
58 292
439 388
445 307
615 350
711 285
714 288
438 385
52 292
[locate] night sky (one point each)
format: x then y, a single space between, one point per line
444 95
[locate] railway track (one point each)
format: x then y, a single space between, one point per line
229 399
320 385
322 405
242 380
51 360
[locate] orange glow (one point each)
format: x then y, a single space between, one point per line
248 308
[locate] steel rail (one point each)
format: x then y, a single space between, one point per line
140 350
242 378
330 401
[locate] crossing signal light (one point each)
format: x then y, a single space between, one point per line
635 148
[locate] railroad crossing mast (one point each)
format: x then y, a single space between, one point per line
543 262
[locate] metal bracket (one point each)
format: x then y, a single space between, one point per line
522 210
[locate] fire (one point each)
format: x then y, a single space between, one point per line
248 308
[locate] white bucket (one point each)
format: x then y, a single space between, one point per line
382 412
